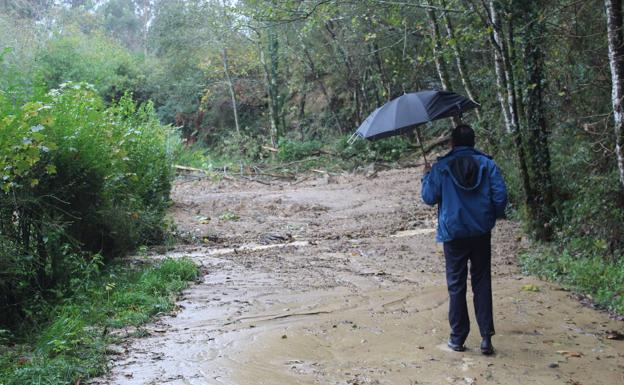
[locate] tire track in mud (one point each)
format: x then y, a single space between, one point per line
356 295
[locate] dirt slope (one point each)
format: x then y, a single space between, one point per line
338 280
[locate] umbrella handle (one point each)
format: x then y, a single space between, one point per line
420 144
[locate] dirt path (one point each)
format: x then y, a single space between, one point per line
339 281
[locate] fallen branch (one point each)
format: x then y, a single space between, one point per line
205 172
272 149
187 168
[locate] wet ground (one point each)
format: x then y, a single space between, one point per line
338 280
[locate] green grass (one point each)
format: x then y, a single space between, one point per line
585 272
73 344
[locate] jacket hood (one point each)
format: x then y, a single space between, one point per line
465 170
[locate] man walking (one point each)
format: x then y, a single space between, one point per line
470 193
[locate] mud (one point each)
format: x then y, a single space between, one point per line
339 281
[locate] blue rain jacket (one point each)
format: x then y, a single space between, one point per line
470 193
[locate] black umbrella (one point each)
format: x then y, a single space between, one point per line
411 110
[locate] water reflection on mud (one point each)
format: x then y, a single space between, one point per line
356 297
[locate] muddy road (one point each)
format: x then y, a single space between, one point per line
338 280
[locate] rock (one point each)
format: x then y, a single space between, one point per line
569 354
274 237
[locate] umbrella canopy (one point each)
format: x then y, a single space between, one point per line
410 110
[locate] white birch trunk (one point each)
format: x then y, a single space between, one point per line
616 62
226 67
226 70
501 88
502 50
267 82
437 48
459 59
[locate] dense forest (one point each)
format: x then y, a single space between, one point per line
98 98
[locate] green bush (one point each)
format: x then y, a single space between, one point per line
388 149
235 147
191 156
92 58
290 150
77 179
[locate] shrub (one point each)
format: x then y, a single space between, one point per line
93 58
77 179
388 149
290 150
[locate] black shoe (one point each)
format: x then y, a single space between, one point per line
486 346
456 347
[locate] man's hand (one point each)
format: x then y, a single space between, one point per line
427 167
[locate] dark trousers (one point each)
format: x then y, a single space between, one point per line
477 250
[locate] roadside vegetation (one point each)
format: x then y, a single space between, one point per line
83 184
78 336
581 271
85 180
80 179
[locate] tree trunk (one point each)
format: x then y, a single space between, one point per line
512 99
274 96
267 82
501 88
518 85
501 45
145 27
226 70
437 48
541 199
616 62
506 98
497 52
459 58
